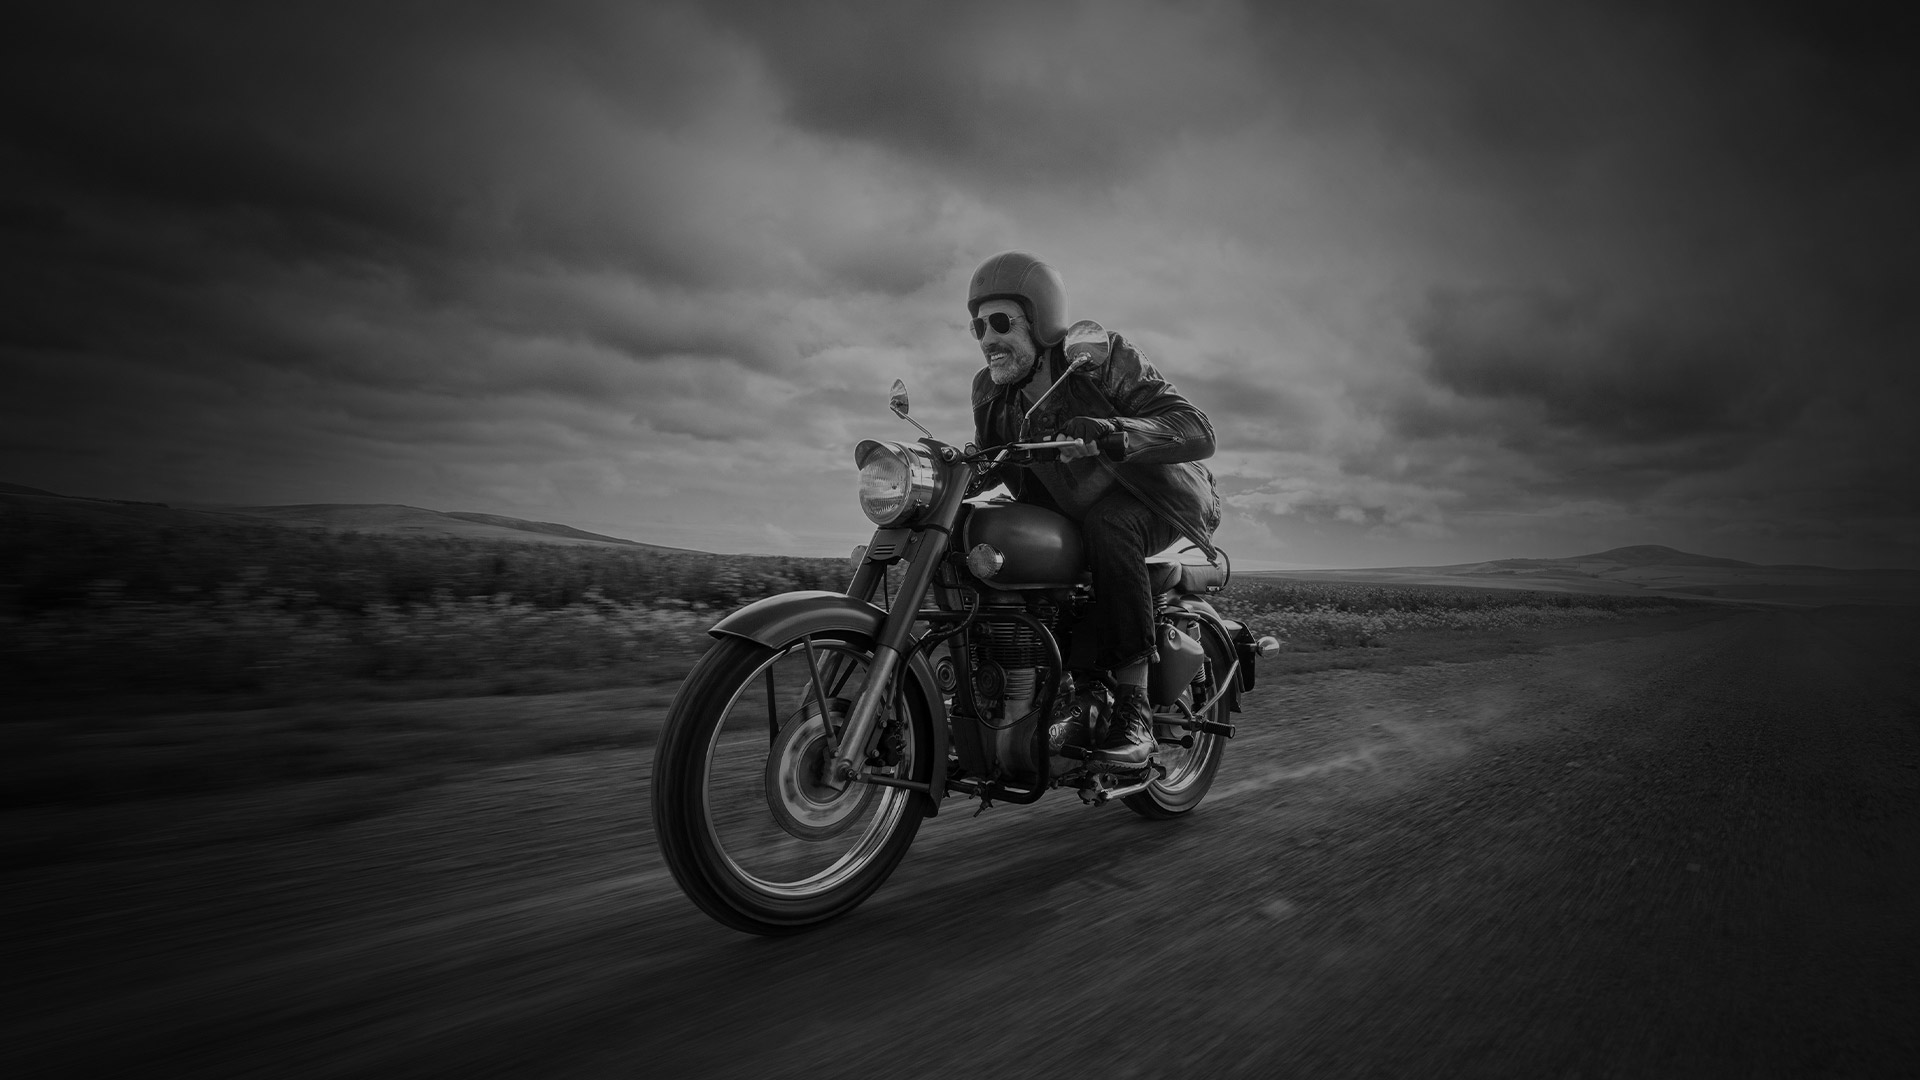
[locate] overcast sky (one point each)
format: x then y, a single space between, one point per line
1453 281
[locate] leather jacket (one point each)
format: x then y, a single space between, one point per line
1162 436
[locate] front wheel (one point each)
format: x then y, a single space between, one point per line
1190 770
745 824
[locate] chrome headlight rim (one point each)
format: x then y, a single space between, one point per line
922 480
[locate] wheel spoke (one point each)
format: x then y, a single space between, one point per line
773 709
840 682
819 696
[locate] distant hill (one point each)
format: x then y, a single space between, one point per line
22 489
393 519
1613 559
28 506
377 518
1657 555
544 528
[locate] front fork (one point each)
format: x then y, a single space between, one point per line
921 549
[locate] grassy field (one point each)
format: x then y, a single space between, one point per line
245 611
246 614
1313 617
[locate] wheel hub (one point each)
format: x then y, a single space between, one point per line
801 802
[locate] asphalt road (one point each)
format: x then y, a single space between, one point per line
1693 850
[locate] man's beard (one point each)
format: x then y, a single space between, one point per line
1012 365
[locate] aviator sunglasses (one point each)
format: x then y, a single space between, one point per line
999 320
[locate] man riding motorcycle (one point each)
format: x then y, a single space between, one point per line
1134 483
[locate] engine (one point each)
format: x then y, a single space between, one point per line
1009 656
1010 661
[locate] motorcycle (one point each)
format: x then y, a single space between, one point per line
806 745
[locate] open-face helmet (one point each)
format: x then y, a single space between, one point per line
1018 276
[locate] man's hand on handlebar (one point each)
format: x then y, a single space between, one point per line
1093 435
1081 437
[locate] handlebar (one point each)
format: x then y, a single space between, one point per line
997 454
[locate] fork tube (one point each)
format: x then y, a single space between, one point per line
860 726
866 580
928 547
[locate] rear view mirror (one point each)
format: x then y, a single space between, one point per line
1086 344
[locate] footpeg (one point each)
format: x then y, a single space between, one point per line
1210 727
1098 787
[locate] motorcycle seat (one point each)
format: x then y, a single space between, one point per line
1169 575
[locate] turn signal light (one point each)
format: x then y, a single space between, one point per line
985 560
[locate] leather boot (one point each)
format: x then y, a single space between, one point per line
1129 740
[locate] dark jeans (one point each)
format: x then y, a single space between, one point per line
1120 532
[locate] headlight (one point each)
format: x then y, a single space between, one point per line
898 481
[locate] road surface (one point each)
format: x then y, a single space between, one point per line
1692 849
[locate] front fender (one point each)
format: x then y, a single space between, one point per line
776 620
780 620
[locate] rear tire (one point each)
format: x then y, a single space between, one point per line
749 832
1190 771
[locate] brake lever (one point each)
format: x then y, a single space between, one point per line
1001 455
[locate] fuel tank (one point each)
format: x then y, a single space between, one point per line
1026 547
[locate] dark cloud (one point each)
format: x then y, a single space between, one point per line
408 198
1584 396
1504 83
1599 373
1004 93
1251 411
415 137
1637 146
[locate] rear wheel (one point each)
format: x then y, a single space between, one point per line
1190 770
749 830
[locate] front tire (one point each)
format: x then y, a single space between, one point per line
749 832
